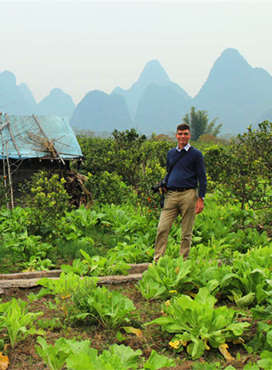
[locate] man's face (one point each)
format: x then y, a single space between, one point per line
183 137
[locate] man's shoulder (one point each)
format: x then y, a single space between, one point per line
195 151
172 151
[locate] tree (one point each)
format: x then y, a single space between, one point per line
244 167
199 123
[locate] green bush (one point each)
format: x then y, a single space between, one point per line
48 201
109 188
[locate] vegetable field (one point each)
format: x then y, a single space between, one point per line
210 311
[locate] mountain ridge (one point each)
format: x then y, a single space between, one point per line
234 92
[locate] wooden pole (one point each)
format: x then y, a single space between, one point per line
4 167
13 140
10 179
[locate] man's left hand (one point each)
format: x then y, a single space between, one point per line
199 205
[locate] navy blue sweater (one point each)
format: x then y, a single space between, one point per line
188 172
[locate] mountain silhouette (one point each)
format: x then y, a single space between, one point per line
18 99
161 108
58 103
235 92
153 73
101 112
13 99
28 96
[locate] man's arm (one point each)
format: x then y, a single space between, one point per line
165 180
202 180
201 176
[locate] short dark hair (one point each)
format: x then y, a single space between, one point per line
183 126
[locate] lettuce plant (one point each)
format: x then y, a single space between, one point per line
167 275
266 360
66 284
110 308
18 322
79 355
108 265
156 361
247 283
197 324
55 355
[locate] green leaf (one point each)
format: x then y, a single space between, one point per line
246 300
53 355
156 361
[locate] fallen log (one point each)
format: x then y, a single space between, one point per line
30 283
30 275
134 269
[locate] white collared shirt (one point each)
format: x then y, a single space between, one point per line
187 147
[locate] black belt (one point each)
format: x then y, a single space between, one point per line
180 189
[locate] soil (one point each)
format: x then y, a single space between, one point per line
24 356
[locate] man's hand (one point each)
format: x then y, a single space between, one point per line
199 206
164 189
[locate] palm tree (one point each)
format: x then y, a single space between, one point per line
200 125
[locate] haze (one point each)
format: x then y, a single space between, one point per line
82 46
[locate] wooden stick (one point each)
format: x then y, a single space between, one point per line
4 125
44 134
13 140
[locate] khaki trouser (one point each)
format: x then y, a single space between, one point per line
175 203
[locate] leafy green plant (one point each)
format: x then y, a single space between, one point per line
262 339
18 322
78 267
138 252
37 264
80 356
55 355
52 324
168 275
197 324
66 284
156 361
247 283
110 308
109 265
21 247
266 360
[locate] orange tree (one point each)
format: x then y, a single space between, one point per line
242 170
139 162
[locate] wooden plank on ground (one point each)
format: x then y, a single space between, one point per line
30 275
29 283
134 269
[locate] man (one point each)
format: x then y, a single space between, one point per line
184 176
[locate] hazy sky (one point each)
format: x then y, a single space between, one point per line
80 46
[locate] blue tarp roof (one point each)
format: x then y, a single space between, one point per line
28 137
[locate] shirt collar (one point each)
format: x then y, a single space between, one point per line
187 147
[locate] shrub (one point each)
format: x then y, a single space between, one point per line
48 201
109 188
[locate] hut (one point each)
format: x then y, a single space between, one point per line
32 143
